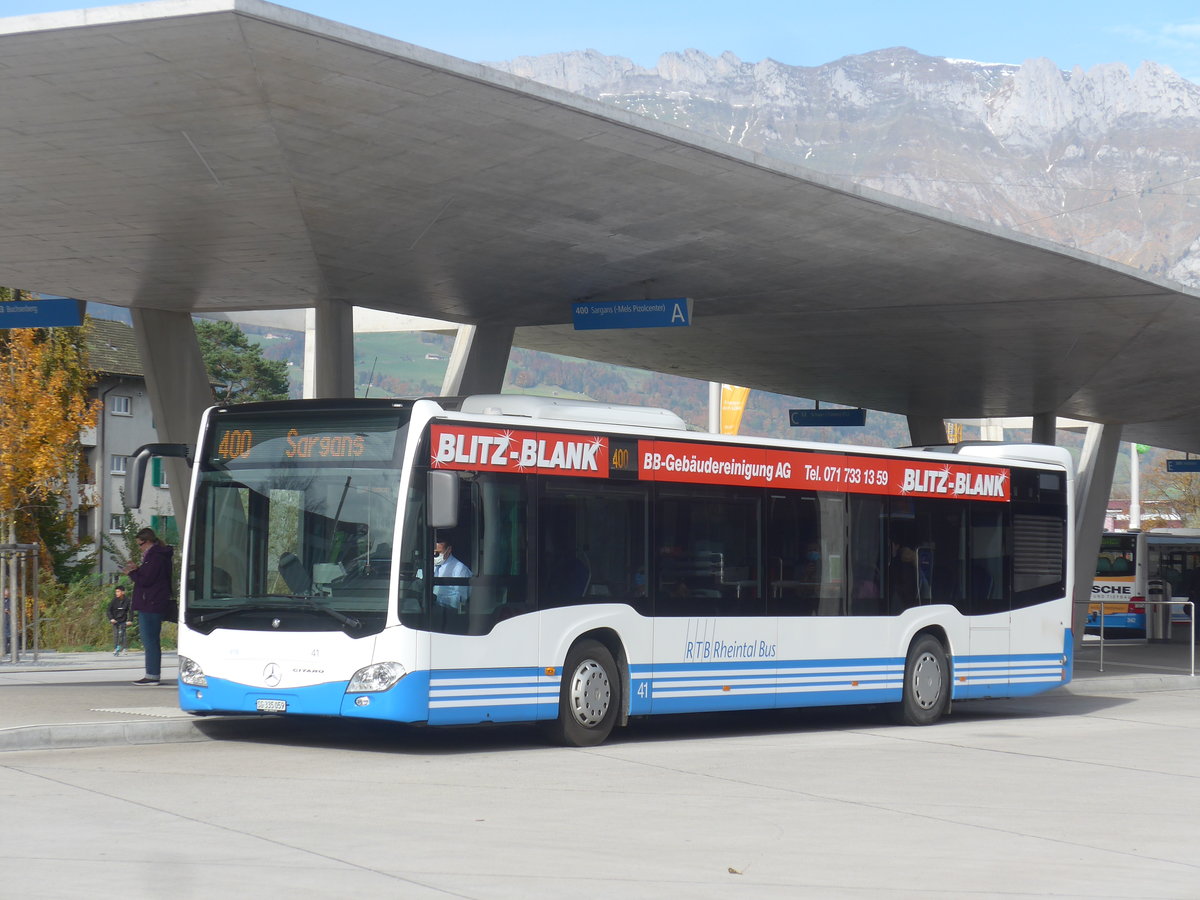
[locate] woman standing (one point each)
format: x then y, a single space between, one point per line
151 598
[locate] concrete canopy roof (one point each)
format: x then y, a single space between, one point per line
216 155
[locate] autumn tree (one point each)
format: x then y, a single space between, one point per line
1176 493
237 367
43 409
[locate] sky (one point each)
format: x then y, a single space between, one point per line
797 32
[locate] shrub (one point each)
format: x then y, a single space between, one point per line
75 617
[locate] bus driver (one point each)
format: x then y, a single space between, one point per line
447 565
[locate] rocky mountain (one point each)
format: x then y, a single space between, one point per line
1104 160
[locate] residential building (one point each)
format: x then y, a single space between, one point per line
124 423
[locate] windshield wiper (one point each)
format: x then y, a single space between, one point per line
220 614
348 621
308 606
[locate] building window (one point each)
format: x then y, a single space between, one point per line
84 524
165 528
120 405
117 464
116 522
158 473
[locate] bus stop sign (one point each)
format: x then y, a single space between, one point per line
40 313
590 315
831 418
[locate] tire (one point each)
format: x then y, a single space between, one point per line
590 698
926 683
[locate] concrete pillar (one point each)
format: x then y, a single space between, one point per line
1093 484
309 389
991 429
926 431
332 356
478 361
177 386
1045 428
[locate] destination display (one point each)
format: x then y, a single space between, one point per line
598 456
244 441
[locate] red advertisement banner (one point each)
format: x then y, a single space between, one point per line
505 450
799 469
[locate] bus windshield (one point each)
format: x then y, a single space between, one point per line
297 510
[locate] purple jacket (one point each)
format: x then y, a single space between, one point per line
152 580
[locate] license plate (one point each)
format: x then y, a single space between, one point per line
271 706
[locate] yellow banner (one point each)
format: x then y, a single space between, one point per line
733 404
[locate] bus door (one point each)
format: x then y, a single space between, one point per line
987 592
591 567
484 663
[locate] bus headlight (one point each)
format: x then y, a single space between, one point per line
190 673
374 678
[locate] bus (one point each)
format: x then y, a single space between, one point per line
613 565
1125 567
1120 581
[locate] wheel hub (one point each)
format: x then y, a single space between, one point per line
590 693
927 681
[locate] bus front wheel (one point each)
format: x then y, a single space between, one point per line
926 683
590 697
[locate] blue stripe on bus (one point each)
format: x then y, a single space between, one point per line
464 696
1069 653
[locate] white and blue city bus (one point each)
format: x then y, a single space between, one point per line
619 566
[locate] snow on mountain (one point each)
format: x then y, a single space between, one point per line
1104 160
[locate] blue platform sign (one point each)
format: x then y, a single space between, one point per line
1183 465
595 314
40 313
829 418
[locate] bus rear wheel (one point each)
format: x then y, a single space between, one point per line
926 683
590 697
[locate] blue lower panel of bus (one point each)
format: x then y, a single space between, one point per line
406 702
468 696
1018 675
1122 623
465 696
705 687
763 684
444 697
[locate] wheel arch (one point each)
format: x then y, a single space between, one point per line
939 633
612 641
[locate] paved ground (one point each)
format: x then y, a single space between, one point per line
86 699
1067 794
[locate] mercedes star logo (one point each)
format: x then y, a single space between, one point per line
272 674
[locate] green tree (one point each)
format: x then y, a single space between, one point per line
237 367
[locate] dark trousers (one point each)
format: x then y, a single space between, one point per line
119 640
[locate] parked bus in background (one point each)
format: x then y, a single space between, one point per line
1121 582
1127 564
610 564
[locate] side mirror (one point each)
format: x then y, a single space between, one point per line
141 459
443 499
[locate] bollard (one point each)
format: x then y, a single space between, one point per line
1158 611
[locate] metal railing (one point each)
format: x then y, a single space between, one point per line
1191 623
19 586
